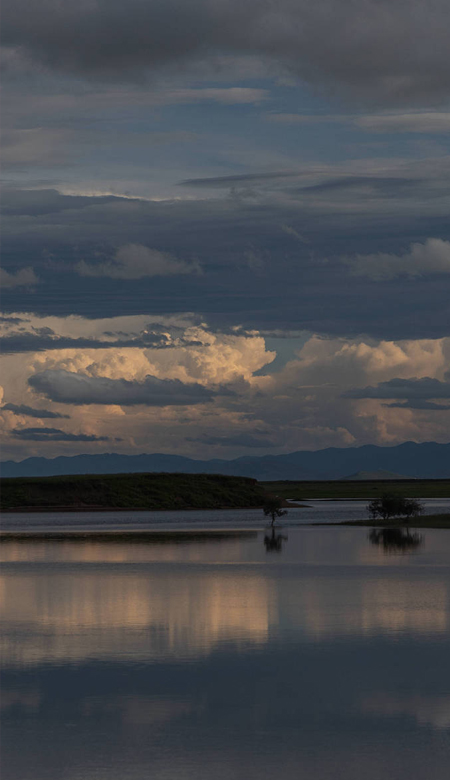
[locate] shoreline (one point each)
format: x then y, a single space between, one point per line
127 535
426 521
99 508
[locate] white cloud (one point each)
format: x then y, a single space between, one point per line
297 407
432 257
345 362
135 261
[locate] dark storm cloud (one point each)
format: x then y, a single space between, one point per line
15 343
382 50
297 285
69 388
54 434
427 406
389 186
28 411
36 203
11 320
411 389
238 180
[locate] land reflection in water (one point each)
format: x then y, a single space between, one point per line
394 540
191 659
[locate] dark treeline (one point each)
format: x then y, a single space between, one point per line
131 491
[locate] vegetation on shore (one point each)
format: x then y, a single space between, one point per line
390 506
424 521
131 491
359 489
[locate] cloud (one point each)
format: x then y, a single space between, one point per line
44 339
54 434
238 440
411 389
368 49
38 146
345 362
419 122
135 261
305 119
239 180
426 406
228 96
11 320
28 411
25 277
378 212
432 257
70 388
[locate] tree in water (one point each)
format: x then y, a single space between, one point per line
273 508
390 505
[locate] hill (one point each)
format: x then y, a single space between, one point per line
424 461
130 491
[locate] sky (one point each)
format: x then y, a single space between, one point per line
225 226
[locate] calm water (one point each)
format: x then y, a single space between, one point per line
314 512
217 659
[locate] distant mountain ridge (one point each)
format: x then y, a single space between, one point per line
428 460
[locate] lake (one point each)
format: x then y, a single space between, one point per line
324 656
317 511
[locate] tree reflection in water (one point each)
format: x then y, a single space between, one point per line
396 539
273 542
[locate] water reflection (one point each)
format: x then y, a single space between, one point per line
427 710
394 540
195 660
273 542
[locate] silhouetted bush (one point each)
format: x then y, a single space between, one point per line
390 505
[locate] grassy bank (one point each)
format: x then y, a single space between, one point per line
130 491
360 489
426 521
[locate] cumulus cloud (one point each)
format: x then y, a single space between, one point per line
196 356
342 362
25 277
28 411
432 257
54 435
423 388
134 261
71 388
369 48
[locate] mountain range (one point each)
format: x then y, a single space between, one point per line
428 460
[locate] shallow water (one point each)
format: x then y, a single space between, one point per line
218 658
313 512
